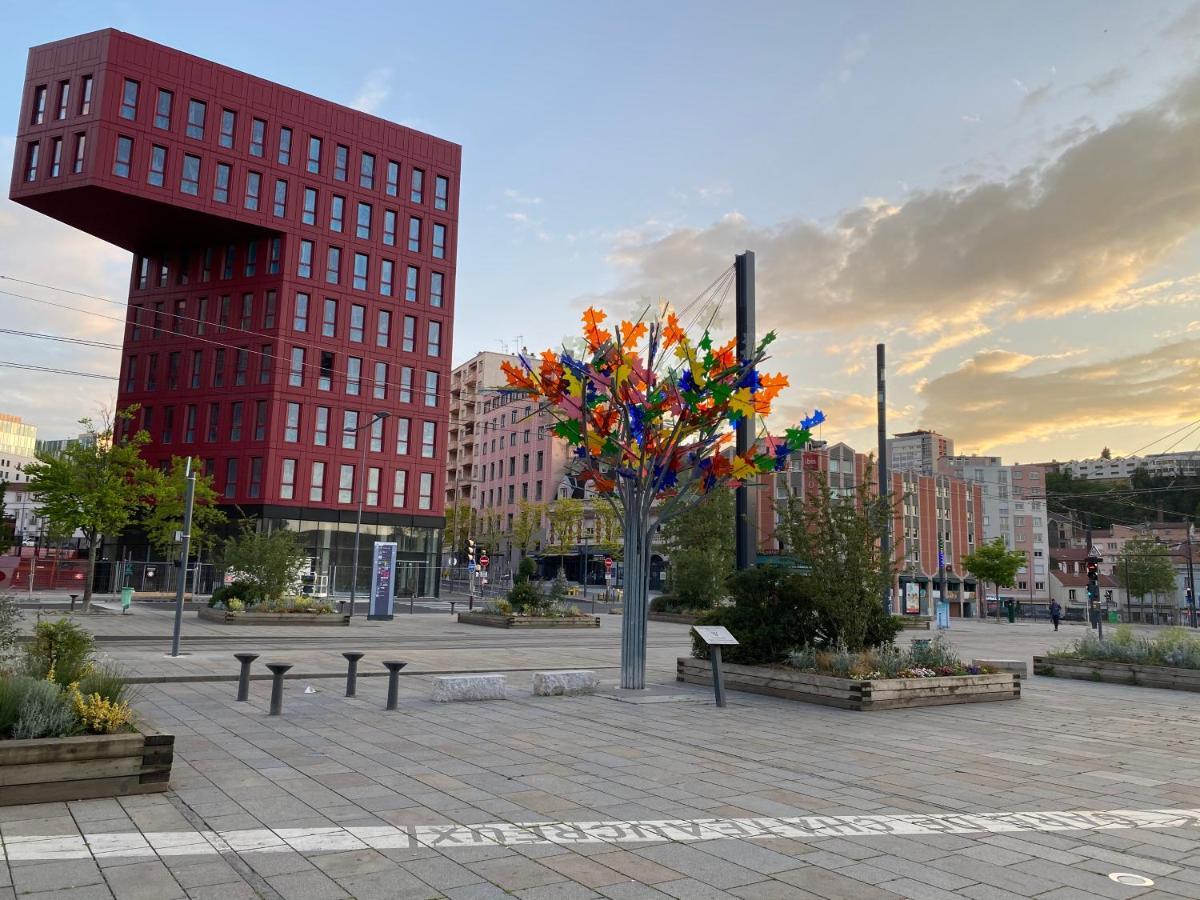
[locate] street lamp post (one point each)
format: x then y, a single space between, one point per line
362 474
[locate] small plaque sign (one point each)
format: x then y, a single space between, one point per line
714 635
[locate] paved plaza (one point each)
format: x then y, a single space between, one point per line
655 795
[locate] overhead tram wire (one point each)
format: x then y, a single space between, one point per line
61 338
1163 438
53 371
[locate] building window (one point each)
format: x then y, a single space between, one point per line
296 369
260 420
304 269
80 149
273 263
412 277
341 162
428 439
389 227
314 155
372 487
300 314
38 114
441 192
189 425
221 184
32 153
64 95
228 121
227 269
321 427
266 362
241 363
380 389
393 178
333 265
316 489
197 367
285 146
280 208
258 133
214 422
235 421
417 192
383 328
353 376
231 467
131 373
399 488
366 171
541 459
425 491
414 235
346 484
439 241
361 264
358 321
162 109
189 178
129 98
308 214
329 322
435 289
251 258
337 213
387 270
431 388
56 157
376 435
325 371
196 113
253 186
434 344
287 480
409 341
85 96
121 161
402 428
406 373
363 227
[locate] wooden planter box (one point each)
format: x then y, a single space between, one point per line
915 623
228 617
1118 672
498 621
85 767
679 618
849 693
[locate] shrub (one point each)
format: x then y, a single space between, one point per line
526 598
13 691
303 603
498 608
60 649
45 712
99 715
1174 647
10 628
233 604
559 587
936 654
936 659
246 591
526 569
772 615
107 681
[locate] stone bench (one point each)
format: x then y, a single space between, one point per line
566 682
447 688
1016 666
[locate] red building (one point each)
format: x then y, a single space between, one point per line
293 277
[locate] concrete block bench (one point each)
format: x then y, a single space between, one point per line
566 682
447 688
1015 666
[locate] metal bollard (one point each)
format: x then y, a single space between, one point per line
244 676
452 602
352 672
277 670
73 596
393 667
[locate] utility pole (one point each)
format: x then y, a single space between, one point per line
744 505
1191 595
181 580
885 537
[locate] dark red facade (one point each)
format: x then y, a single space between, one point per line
293 275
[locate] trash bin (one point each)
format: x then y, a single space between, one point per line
1011 609
1113 617
126 597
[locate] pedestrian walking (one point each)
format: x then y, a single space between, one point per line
1055 613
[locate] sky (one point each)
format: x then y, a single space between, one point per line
1007 195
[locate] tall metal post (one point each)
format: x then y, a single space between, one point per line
1191 578
362 484
744 505
181 581
885 478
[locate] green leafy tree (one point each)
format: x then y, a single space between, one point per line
566 518
838 539
460 524
527 524
163 516
1144 567
8 534
993 563
269 561
96 486
608 529
700 545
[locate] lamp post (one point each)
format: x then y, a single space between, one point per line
362 474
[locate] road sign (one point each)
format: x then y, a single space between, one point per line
714 635
471 565
608 563
483 561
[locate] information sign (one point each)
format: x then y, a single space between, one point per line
383 580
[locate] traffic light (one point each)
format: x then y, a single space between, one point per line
470 550
1093 570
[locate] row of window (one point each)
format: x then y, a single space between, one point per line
143 373
495 496
54 161
62 100
496 469
360 274
184 318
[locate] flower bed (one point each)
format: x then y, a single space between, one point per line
254 617
679 617
1170 660
512 620
1176 679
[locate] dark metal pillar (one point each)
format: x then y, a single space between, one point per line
243 691
885 478
352 659
277 670
744 505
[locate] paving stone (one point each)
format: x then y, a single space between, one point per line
55 876
514 873
833 886
699 865
148 880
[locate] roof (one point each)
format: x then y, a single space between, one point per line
1079 579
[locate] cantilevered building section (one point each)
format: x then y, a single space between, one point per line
293 276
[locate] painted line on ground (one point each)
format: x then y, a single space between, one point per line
40 848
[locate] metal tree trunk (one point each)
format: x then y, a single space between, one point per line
636 602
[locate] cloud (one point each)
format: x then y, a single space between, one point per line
1151 388
376 88
1184 26
1105 82
916 360
1034 96
970 118
516 196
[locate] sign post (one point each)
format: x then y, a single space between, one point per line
383 580
716 636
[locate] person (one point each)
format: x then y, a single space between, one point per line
1055 613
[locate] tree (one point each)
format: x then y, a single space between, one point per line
7 522
95 486
648 412
1106 453
526 525
271 561
1144 567
565 517
607 529
837 538
460 524
993 563
700 545
163 516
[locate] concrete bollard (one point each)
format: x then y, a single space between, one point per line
277 670
393 667
352 659
244 676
